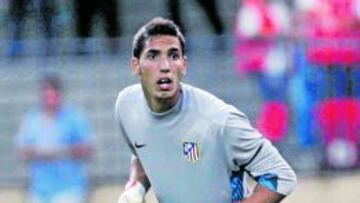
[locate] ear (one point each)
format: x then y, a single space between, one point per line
184 69
135 67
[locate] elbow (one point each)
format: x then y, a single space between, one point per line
287 183
292 182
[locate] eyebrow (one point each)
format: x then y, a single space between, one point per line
153 51
174 49
156 51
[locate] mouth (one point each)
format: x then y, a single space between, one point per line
164 84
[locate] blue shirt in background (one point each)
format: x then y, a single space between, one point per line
69 127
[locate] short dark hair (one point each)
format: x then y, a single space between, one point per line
156 26
51 80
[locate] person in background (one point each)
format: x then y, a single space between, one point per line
211 11
331 30
85 12
261 52
18 11
210 7
54 139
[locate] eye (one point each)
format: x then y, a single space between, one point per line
174 56
151 55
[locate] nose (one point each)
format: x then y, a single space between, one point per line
164 66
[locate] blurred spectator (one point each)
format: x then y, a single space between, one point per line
339 124
260 52
211 11
44 13
304 92
3 10
85 12
54 139
331 29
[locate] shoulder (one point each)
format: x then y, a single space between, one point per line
130 93
30 121
208 104
32 114
129 96
70 109
73 113
204 97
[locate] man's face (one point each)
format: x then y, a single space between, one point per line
51 97
161 66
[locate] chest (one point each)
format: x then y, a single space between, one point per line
188 153
183 143
50 132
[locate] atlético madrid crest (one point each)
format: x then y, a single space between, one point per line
191 151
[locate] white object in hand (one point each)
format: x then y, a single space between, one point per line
134 193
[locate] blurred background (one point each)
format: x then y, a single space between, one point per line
292 66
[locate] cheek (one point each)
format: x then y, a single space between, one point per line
147 77
179 67
180 71
148 68
146 73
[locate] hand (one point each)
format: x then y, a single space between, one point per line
47 154
134 193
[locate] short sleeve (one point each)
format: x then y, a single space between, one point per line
81 129
246 149
242 141
118 118
24 135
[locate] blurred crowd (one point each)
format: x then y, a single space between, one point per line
312 53
51 15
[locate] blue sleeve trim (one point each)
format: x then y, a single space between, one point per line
268 180
237 186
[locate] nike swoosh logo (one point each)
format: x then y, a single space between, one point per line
139 145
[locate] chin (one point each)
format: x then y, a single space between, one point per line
165 95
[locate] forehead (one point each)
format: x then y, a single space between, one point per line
162 42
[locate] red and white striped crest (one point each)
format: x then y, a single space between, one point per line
191 151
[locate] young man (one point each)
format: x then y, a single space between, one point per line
186 143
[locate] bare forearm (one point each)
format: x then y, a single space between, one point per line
137 173
138 184
81 151
263 195
78 151
30 153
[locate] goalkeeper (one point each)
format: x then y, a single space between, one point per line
187 144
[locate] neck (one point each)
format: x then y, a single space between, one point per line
163 105
51 111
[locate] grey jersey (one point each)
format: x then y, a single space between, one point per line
200 150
